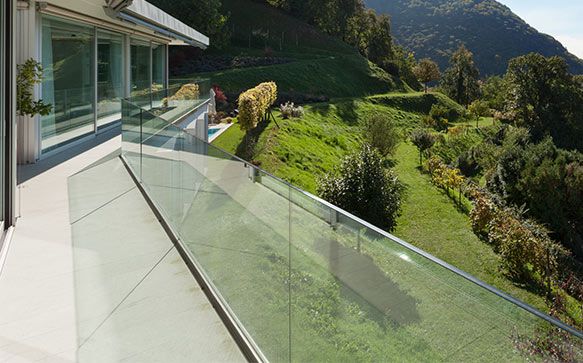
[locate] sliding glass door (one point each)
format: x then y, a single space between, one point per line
110 89
85 70
158 66
69 81
141 67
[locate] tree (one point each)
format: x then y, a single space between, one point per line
370 35
478 109
427 71
405 62
546 98
381 133
423 139
493 92
203 15
363 187
461 80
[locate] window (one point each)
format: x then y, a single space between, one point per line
158 66
140 67
69 81
109 77
85 72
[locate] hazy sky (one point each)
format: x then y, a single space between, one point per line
563 19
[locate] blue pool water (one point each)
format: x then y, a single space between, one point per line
213 131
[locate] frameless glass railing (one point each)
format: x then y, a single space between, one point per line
173 103
305 281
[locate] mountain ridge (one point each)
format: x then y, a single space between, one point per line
435 29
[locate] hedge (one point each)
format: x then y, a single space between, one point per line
254 103
523 251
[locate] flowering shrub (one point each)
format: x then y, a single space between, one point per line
268 53
289 110
519 248
443 176
431 164
254 103
523 251
189 91
482 213
219 95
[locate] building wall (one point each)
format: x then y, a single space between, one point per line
27 48
32 146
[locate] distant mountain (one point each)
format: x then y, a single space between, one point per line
436 28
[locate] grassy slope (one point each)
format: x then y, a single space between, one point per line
431 222
335 76
302 150
322 64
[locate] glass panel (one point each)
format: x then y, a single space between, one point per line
131 136
173 103
69 81
309 282
158 66
2 117
109 77
140 67
233 220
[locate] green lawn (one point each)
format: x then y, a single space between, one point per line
343 293
302 150
432 222
305 149
334 76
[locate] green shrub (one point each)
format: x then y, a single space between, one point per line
381 133
423 140
363 187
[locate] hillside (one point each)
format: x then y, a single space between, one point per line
315 62
436 28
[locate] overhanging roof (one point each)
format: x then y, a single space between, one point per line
149 15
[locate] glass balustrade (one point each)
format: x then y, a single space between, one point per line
307 281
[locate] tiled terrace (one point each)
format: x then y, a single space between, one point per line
91 276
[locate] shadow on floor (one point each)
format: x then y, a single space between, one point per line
29 171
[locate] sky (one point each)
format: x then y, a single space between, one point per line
563 19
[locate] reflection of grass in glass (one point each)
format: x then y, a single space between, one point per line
383 303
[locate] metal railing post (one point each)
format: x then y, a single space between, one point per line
333 218
141 142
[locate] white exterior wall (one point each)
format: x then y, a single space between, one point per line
27 47
198 122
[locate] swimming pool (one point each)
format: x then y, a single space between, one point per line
213 131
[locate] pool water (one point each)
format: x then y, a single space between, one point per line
213 131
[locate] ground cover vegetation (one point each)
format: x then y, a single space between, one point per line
374 115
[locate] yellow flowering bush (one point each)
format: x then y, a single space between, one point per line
254 103
189 91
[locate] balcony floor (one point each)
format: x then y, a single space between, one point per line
91 276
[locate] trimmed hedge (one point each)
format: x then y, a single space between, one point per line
189 91
254 103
